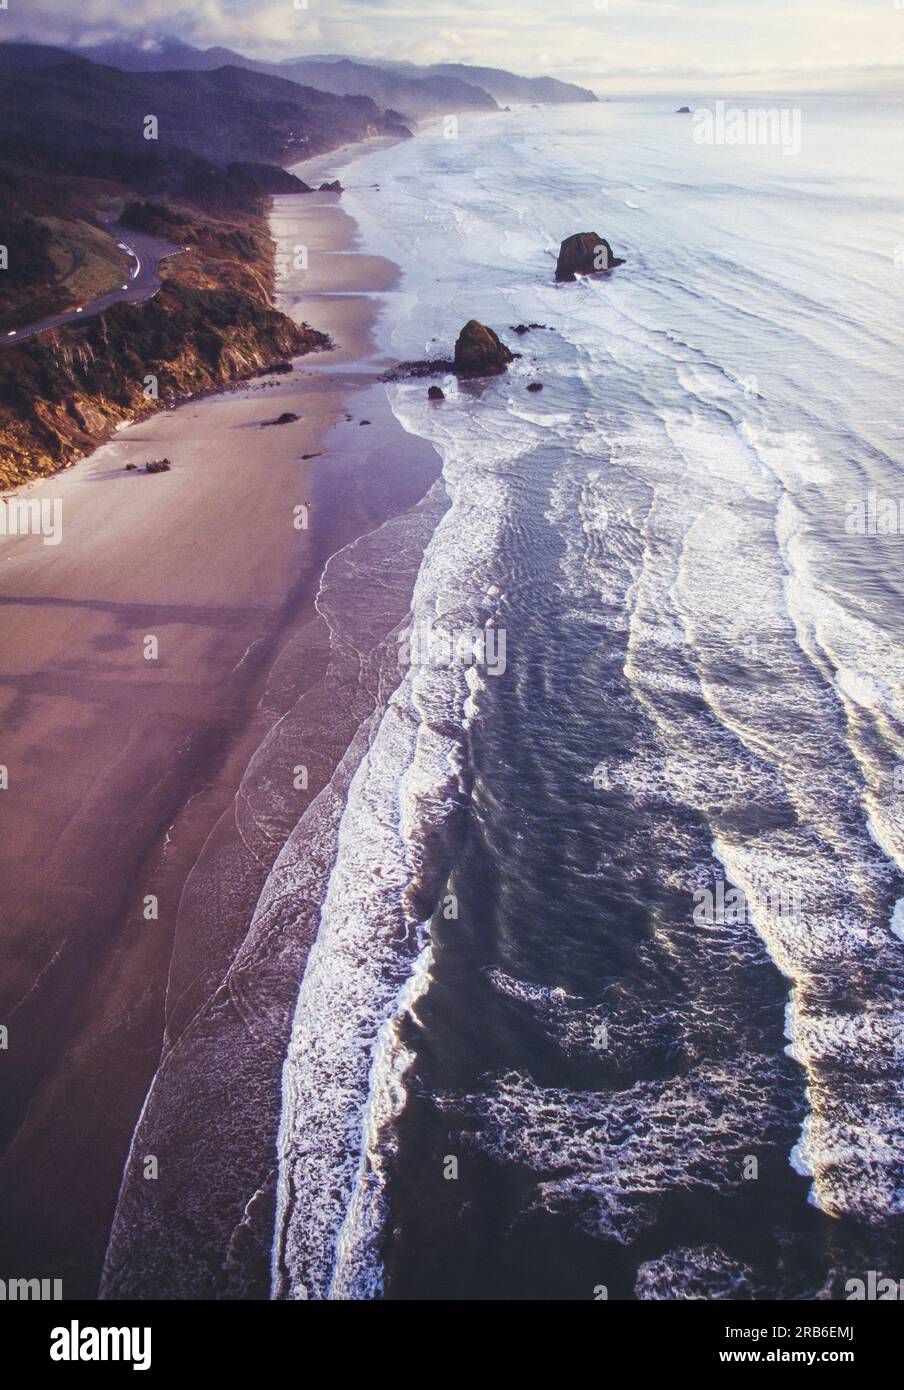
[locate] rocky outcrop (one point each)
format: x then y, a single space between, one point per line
334 187
479 352
585 253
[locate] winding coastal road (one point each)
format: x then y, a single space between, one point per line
144 281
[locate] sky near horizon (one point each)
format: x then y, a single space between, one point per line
610 45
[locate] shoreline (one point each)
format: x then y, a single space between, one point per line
124 773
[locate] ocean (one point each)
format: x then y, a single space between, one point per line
608 993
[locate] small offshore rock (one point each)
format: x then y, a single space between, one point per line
585 253
436 393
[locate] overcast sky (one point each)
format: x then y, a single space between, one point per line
610 45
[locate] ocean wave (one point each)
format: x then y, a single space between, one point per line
695 1272
610 1160
345 1066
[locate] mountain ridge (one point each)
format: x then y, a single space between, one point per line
227 113
419 92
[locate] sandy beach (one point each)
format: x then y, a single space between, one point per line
146 658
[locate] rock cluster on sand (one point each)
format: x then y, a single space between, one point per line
479 352
585 253
158 466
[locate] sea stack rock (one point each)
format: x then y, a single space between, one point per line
479 352
585 253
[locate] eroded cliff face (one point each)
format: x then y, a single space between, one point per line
64 392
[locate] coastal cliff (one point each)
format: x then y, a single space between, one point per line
64 392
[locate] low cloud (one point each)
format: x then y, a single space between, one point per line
607 44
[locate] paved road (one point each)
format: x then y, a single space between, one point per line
144 281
